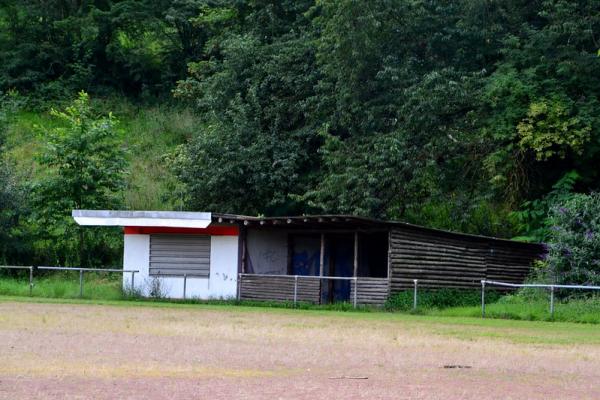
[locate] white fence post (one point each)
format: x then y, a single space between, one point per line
80 283
355 290
184 284
483 299
30 281
416 282
551 301
132 282
295 289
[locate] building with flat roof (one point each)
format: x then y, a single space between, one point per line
312 258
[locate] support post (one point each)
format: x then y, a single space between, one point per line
243 237
321 266
322 255
416 282
551 301
30 281
355 290
184 284
483 299
295 289
132 282
239 287
355 254
80 283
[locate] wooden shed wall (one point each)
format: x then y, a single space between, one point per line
278 288
371 291
443 260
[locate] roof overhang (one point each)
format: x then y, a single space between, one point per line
174 219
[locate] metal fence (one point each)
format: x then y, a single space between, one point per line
184 278
551 288
81 271
354 281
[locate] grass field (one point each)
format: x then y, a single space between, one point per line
534 307
65 285
73 349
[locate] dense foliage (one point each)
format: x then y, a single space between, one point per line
478 116
443 113
86 167
11 193
138 47
574 251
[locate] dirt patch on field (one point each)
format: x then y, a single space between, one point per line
60 351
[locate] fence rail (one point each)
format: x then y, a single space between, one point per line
551 287
363 290
81 270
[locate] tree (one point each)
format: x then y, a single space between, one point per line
395 101
86 165
256 149
446 113
539 105
12 199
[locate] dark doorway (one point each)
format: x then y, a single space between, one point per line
373 255
339 262
305 253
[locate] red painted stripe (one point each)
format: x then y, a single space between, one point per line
210 230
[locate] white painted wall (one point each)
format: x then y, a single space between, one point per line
221 284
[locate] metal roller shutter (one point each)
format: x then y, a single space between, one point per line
179 255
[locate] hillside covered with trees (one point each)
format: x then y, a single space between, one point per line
478 116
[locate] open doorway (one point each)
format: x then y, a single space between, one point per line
338 260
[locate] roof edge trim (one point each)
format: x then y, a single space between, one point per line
175 219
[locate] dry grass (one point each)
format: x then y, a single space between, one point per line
73 351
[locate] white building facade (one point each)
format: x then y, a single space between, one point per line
178 254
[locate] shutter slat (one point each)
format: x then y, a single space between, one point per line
172 255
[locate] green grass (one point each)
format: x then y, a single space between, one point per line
529 305
102 287
151 135
512 307
65 286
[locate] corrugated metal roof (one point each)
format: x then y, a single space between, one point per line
350 221
184 219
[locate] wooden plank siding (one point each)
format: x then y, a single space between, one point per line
371 291
443 260
278 288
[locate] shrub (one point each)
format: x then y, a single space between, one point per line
574 248
156 288
439 298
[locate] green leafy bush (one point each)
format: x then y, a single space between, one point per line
574 248
550 129
86 170
532 219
